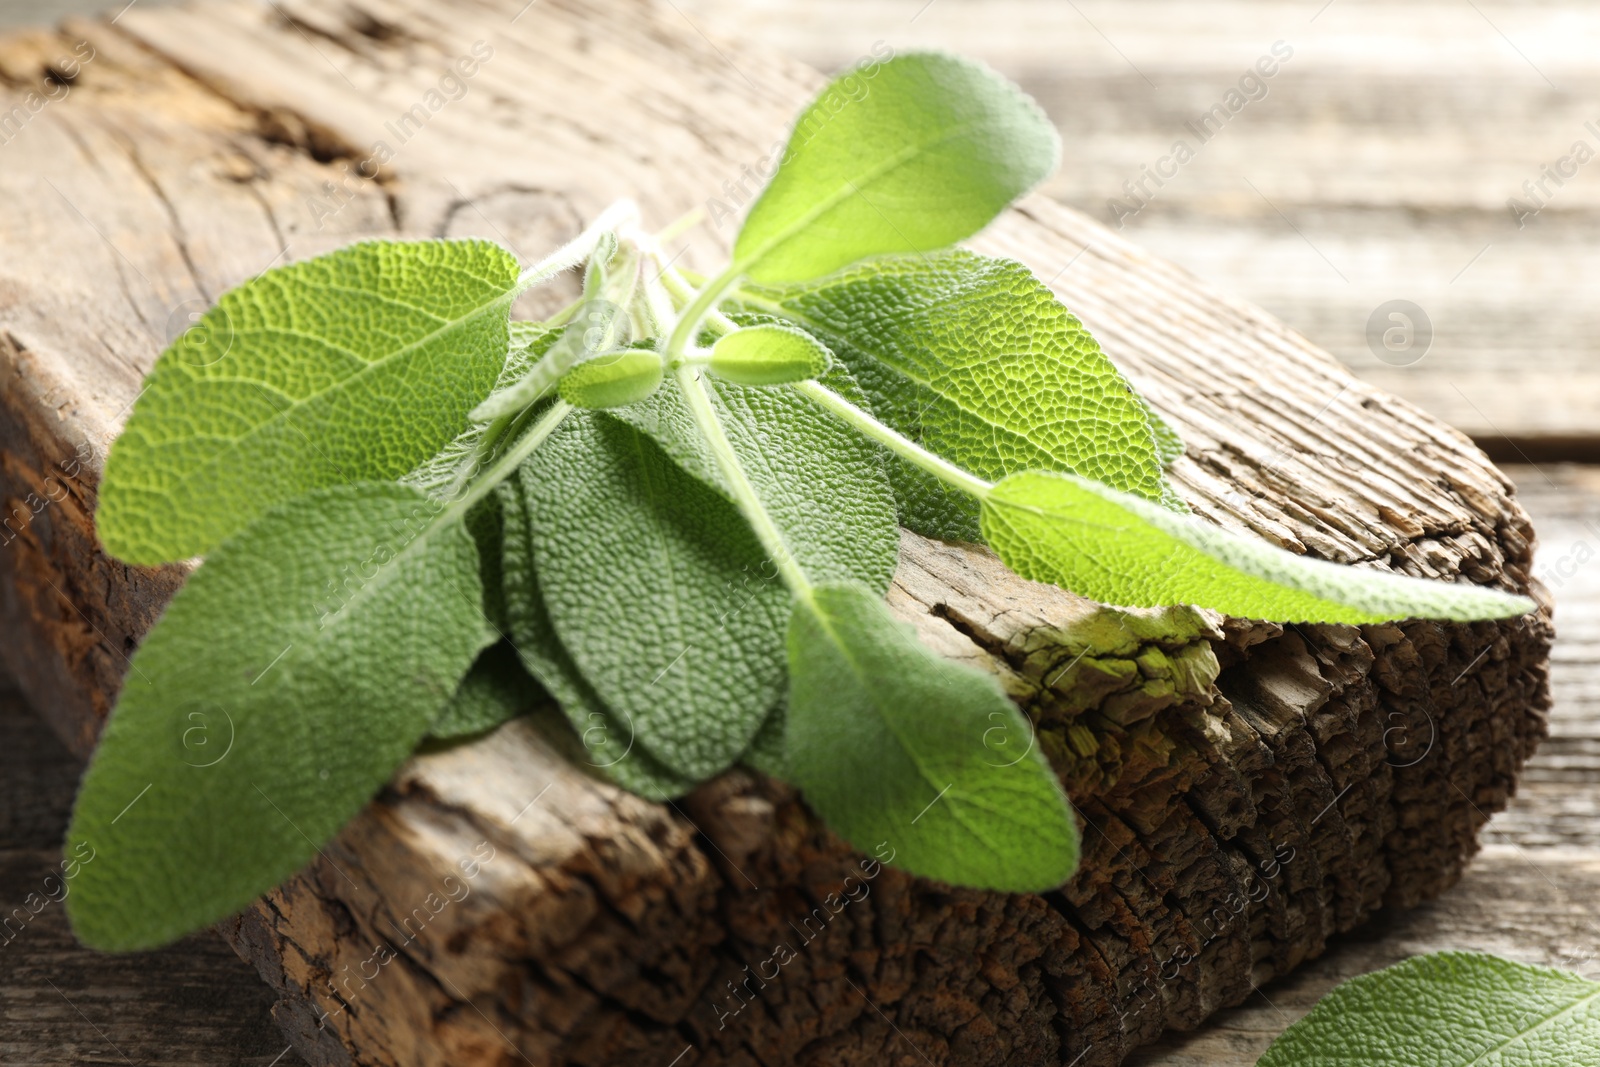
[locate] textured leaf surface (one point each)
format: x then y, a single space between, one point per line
769 354
353 366
915 156
291 675
613 379
658 590
976 360
438 476
1121 550
892 743
496 690
603 741
822 483
1451 1009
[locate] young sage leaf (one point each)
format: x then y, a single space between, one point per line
894 744
353 366
286 681
1119 549
976 360
613 379
769 354
599 326
917 156
1449 1009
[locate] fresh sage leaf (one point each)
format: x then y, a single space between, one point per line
895 745
823 485
599 326
613 379
1119 549
769 354
658 590
441 475
920 155
496 690
353 366
601 740
297 668
976 360
1449 1009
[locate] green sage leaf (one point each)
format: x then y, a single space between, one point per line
769 354
613 379
286 681
600 739
823 484
496 690
918 154
895 745
658 591
976 360
1449 1009
441 475
1119 549
353 366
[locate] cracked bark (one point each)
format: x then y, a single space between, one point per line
1249 791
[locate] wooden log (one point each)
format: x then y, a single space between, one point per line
1248 792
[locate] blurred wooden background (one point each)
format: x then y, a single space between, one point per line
1376 166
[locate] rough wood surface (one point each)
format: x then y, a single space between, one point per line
1527 896
1235 821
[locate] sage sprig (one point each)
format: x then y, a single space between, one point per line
673 507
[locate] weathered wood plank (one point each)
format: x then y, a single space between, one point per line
206 143
1536 908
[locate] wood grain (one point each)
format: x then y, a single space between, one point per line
1246 793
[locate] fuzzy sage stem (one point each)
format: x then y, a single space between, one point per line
579 248
506 465
704 303
894 441
744 493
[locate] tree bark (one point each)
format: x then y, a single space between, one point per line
1248 792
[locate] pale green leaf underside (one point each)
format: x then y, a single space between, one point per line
1118 549
613 379
353 366
769 354
976 360
894 744
1450 1009
933 150
286 681
602 740
658 590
